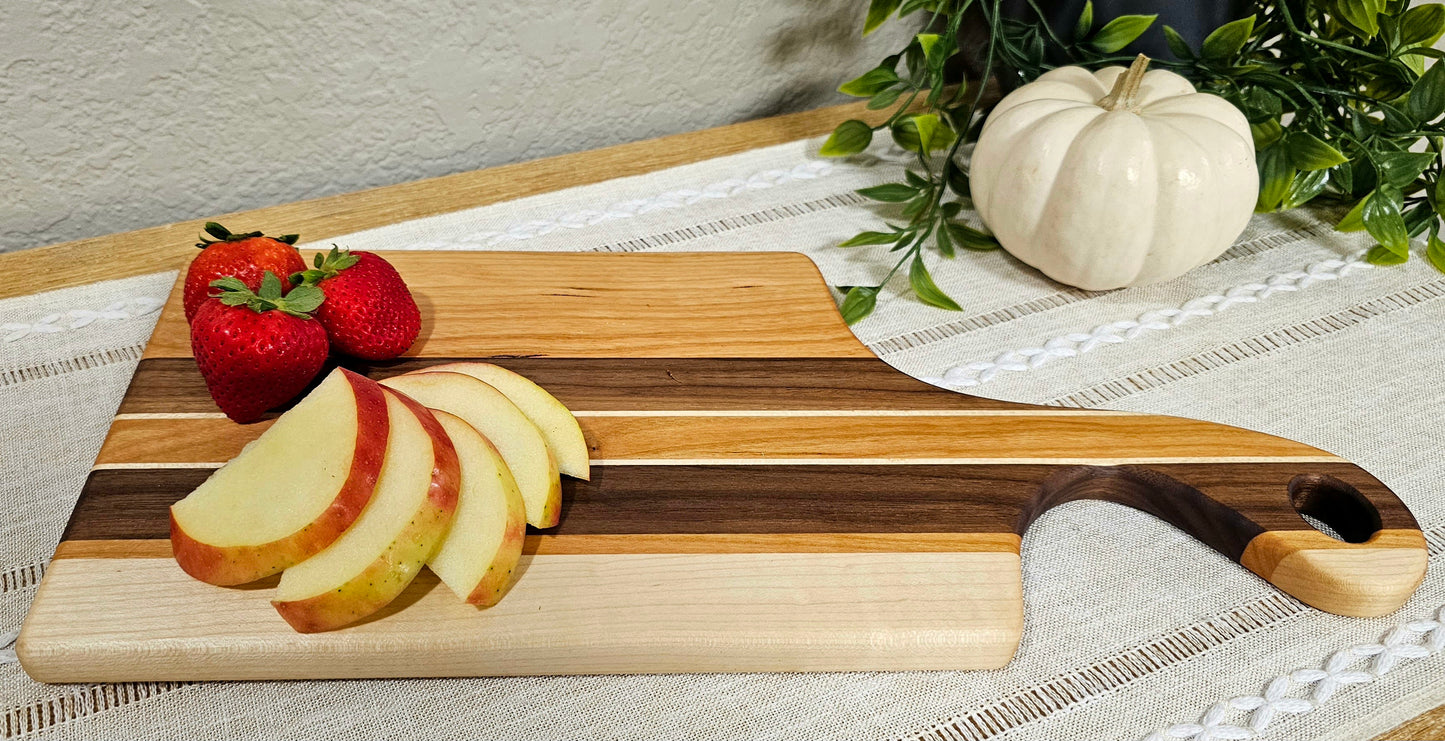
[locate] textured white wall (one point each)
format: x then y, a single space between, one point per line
120 114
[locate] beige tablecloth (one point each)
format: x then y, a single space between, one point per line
1133 629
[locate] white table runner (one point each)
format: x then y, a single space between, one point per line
1133 629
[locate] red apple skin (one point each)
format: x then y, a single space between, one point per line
493 587
385 578
232 565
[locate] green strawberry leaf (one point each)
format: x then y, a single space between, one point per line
270 287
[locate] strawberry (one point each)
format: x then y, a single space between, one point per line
368 313
245 257
257 350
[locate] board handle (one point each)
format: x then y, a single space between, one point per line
1370 570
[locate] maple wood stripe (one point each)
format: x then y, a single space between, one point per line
1066 436
693 543
173 385
782 499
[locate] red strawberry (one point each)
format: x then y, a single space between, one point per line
245 257
257 350
368 313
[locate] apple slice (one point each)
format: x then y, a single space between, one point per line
481 550
373 561
290 492
501 422
559 428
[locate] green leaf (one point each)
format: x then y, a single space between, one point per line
1177 45
889 192
1422 24
858 303
926 290
878 12
866 238
905 134
230 283
1085 24
917 206
1304 187
884 99
957 179
1383 220
945 243
969 238
1309 152
1427 95
1120 32
1362 16
1401 168
927 125
1354 221
1418 218
1380 255
1275 175
929 43
851 137
1266 133
1226 41
270 287
869 83
303 299
912 6
1435 252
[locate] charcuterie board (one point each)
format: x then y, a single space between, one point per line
766 495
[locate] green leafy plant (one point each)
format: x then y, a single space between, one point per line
1337 92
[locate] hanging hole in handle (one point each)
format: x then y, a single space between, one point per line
1338 505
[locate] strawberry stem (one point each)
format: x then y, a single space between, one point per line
300 302
328 265
222 234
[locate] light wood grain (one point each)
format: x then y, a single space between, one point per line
692 439
171 246
694 305
741 612
1366 579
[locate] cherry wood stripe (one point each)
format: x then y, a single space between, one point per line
627 501
690 439
695 543
173 385
589 305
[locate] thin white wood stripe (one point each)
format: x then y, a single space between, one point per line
152 466
1138 461
855 413
1064 413
169 415
1143 460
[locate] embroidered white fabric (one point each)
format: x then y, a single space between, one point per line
1133 629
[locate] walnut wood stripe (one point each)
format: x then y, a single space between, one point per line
1067 436
1225 505
173 385
742 305
554 545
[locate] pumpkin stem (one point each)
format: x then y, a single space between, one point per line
1126 87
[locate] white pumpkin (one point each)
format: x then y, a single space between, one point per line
1114 178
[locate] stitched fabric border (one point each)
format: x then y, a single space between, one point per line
1304 690
1077 343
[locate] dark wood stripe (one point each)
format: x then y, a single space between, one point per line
1224 505
170 385
695 543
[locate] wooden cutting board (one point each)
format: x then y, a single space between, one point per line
766 496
